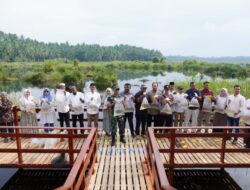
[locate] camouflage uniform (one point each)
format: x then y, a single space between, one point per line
120 121
116 120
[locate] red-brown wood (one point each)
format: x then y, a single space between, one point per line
158 173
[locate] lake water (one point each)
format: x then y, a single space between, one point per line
15 91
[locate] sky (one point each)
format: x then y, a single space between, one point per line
174 27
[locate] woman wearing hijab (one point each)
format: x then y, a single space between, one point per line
28 112
220 117
6 116
107 112
47 113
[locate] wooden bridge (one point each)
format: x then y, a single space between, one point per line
141 163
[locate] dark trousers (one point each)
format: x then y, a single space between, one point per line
156 120
7 130
141 120
64 117
48 125
233 122
247 139
129 116
166 120
80 119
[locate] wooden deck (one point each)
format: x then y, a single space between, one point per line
125 166
122 167
203 158
34 158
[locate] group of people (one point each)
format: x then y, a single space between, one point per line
168 107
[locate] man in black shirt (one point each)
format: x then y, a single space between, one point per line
140 114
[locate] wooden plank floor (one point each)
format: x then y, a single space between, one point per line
34 158
201 158
122 167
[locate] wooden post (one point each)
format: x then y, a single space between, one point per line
19 146
71 154
171 157
223 146
15 115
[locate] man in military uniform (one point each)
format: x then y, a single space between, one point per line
117 116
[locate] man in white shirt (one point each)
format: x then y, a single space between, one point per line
180 100
62 104
93 102
235 103
76 101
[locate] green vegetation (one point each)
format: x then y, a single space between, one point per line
105 74
14 48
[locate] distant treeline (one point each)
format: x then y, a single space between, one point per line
15 48
237 59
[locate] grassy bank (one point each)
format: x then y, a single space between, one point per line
105 74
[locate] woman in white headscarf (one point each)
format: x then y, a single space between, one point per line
220 117
245 117
28 112
107 113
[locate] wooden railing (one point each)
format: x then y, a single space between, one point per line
154 152
16 110
79 177
157 171
81 167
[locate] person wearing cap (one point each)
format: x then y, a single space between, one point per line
93 102
193 97
62 105
166 102
171 87
207 97
172 91
140 115
180 107
76 104
129 107
119 119
235 103
154 109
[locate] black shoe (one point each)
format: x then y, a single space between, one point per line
245 146
234 142
133 135
113 141
123 140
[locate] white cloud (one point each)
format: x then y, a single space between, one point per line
193 27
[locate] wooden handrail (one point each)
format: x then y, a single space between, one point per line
87 153
78 168
172 150
16 109
164 184
20 150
